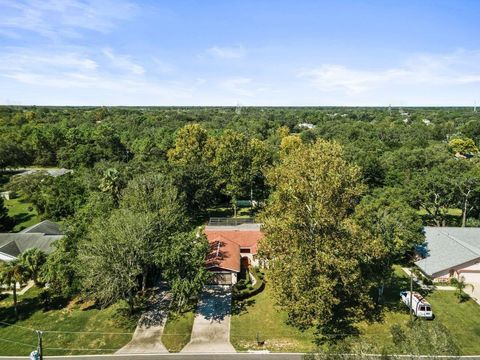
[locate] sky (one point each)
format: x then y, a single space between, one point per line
248 52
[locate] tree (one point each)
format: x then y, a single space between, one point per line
184 266
33 259
190 142
6 222
460 286
433 191
11 273
231 164
463 146
112 184
191 167
411 341
467 185
157 197
317 254
289 143
388 216
113 258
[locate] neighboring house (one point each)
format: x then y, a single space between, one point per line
8 195
306 126
451 252
40 236
231 248
52 172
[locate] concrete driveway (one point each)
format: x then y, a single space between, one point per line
147 336
211 327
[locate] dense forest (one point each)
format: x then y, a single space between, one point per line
155 174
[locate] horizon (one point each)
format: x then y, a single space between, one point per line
249 53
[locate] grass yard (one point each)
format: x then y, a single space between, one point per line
76 329
259 315
177 331
22 212
462 319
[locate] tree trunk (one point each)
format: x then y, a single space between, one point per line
464 213
144 280
130 302
15 300
235 209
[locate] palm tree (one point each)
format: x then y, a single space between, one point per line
11 273
33 260
111 183
460 286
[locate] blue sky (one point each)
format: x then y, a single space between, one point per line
224 52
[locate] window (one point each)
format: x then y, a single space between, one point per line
245 250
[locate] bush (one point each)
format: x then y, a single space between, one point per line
249 291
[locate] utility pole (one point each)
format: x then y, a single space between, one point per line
411 297
39 346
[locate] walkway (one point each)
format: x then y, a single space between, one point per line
147 336
211 327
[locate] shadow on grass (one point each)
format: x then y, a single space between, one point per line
29 306
240 307
22 217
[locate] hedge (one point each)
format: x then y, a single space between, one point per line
254 290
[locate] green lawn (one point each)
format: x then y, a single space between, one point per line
259 315
177 331
78 329
22 212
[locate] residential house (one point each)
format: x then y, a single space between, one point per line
451 252
40 236
231 248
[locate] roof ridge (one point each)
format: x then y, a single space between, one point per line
462 243
33 226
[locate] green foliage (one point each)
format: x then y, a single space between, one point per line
6 222
243 289
423 338
462 146
11 273
317 254
33 260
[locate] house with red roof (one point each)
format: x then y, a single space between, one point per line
231 248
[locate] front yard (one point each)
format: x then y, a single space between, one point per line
258 315
177 331
71 328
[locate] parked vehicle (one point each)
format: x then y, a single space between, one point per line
421 308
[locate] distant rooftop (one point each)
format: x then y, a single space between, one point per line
51 172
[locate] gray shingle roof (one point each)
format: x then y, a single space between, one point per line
448 247
40 236
46 227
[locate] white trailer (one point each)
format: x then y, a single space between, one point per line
420 307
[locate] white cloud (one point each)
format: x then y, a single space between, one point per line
62 18
234 52
461 67
76 76
123 62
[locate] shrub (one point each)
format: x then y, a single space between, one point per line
249 291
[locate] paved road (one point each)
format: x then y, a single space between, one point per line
236 356
211 327
147 336
178 356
